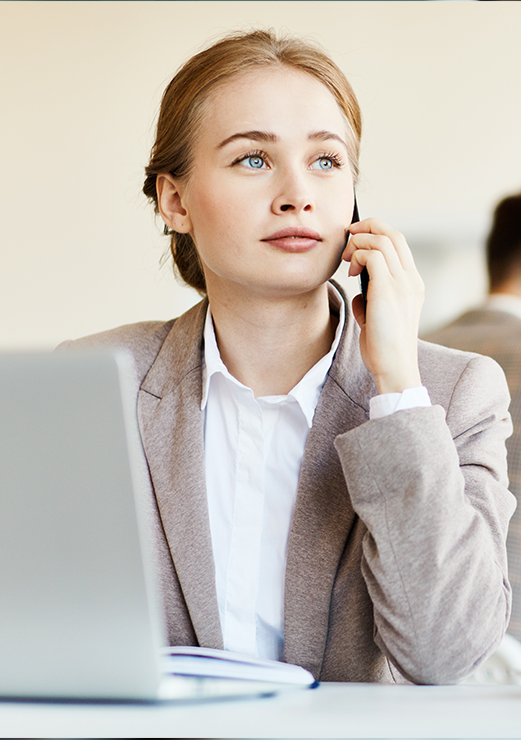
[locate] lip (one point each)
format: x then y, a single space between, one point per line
294 239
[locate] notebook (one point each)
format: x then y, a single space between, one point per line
79 617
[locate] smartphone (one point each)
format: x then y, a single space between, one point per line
364 275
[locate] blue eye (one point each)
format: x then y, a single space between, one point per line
255 162
323 163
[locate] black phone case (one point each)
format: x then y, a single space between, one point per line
364 275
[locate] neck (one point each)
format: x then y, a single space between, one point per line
270 344
511 286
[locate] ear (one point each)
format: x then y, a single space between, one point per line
170 203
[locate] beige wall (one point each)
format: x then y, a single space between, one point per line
80 83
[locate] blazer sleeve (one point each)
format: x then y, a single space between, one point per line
431 488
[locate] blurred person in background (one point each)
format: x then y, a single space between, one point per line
494 329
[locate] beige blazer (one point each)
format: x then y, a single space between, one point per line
396 564
498 335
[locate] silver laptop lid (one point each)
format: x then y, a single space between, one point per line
76 619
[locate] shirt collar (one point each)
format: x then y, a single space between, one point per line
212 362
505 302
307 391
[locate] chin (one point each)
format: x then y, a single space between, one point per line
295 284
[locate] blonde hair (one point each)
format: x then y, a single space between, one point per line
183 106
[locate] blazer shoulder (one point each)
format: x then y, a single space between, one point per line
430 352
444 369
142 340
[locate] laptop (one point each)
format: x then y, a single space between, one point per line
79 618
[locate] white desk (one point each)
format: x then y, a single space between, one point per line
332 710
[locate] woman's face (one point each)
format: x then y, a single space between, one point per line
271 193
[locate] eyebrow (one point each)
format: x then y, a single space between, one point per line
325 136
272 138
252 135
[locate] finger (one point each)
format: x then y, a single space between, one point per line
377 227
382 283
375 262
375 243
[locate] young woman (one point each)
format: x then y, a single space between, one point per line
325 489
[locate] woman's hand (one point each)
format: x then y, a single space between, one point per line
389 327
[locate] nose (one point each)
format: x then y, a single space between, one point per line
293 196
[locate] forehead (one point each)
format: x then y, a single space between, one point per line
276 99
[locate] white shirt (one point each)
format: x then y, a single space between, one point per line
253 454
504 302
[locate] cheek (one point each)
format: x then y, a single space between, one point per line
217 229
342 200
206 207
222 210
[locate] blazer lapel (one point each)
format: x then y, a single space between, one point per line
323 515
171 423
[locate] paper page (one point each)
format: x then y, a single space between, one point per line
197 661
